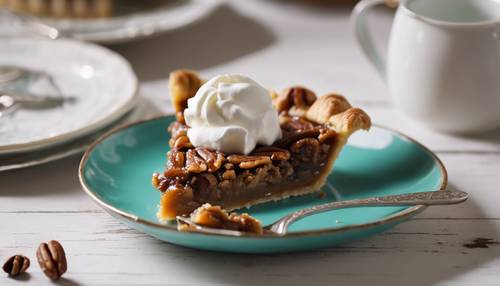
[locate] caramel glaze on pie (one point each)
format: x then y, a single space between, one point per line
314 131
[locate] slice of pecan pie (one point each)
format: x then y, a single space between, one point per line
314 130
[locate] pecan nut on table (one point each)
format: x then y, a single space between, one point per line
52 259
16 265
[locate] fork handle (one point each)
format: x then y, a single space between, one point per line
20 97
412 199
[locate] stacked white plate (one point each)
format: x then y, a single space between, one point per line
99 84
125 26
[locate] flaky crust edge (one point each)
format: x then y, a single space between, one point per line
183 84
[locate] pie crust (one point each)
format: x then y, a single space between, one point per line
314 132
62 8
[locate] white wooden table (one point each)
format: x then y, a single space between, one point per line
279 44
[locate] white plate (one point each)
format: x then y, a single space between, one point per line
73 147
102 83
124 28
143 110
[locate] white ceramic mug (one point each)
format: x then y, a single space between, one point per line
443 63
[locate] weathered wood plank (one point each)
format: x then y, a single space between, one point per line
103 251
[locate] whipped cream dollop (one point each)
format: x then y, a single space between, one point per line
232 113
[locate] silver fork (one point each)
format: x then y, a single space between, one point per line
9 74
10 100
280 227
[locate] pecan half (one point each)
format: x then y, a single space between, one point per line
307 149
294 136
175 173
160 182
274 153
249 162
297 124
176 158
52 259
177 129
174 176
182 142
297 96
16 265
183 85
155 180
194 163
327 136
213 159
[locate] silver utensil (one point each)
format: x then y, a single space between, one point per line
35 157
7 105
9 100
280 227
43 99
10 74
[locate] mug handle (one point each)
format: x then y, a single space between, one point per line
363 34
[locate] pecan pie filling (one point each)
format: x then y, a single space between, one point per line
306 133
217 217
197 175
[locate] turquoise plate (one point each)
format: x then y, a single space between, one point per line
116 172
